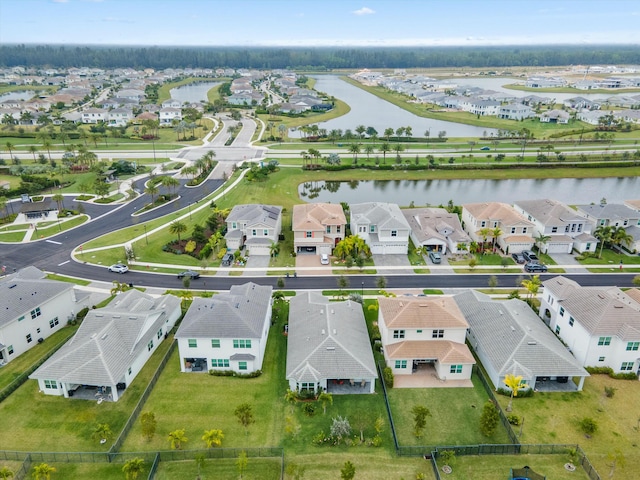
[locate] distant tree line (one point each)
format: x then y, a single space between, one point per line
318 59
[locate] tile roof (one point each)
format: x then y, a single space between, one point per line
316 216
513 338
444 351
423 312
327 340
496 211
241 313
435 223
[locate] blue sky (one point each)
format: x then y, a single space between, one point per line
319 22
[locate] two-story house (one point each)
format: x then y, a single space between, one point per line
227 331
567 229
32 308
119 117
94 115
601 325
168 114
317 227
436 229
516 232
424 335
614 215
255 227
382 226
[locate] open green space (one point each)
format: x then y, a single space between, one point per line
12 237
553 418
441 428
46 423
221 469
60 227
576 91
62 278
103 471
492 467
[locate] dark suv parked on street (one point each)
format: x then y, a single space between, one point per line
535 268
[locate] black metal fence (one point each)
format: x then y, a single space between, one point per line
386 402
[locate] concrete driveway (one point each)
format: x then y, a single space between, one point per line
256 265
569 260
395 261
312 261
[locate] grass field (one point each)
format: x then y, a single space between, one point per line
222 469
103 471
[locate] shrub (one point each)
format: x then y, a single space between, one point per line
309 409
521 393
489 419
588 425
609 392
387 375
513 419
231 373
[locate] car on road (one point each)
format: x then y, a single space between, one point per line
485 148
118 268
324 259
530 257
190 274
227 260
535 268
435 257
518 258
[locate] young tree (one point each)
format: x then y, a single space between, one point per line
340 428
381 283
149 424
489 419
177 438
176 228
133 468
242 462
515 384
348 471
43 471
102 432
420 414
244 414
6 473
532 286
213 438
325 398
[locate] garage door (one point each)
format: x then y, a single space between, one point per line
558 248
306 250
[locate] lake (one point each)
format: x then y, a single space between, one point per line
435 192
194 92
23 95
371 111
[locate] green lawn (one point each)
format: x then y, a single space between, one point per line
63 226
19 365
62 278
103 471
198 401
442 429
221 469
33 417
12 237
553 418
492 467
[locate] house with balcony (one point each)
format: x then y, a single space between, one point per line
382 226
516 231
515 111
227 331
425 336
254 226
167 115
119 117
94 115
317 227
110 348
509 338
32 308
600 325
567 229
328 347
614 215
437 230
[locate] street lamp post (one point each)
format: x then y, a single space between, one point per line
145 234
362 289
189 210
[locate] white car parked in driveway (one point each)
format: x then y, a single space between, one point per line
324 259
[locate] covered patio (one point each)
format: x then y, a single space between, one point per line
425 376
348 386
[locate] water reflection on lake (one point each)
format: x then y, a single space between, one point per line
435 192
194 92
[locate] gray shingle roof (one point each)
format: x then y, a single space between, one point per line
109 340
384 215
255 214
608 211
606 311
327 340
513 338
241 313
549 212
25 290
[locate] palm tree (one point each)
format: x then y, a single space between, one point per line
604 234
169 182
541 239
177 438
213 438
495 234
33 149
10 146
274 249
484 233
176 228
43 471
532 286
133 468
355 149
387 133
325 398
151 189
291 397
59 199
102 432
5 473
369 149
621 236
514 383
384 148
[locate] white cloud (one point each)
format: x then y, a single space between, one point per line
364 11
60 1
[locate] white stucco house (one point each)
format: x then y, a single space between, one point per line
382 226
168 114
436 229
32 308
255 226
94 115
328 347
424 334
601 325
110 348
227 331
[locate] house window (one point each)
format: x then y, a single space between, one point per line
562 311
437 334
307 386
254 232
328 228
483 224
36 313
571 321
588 246
579 227
362 229
602 222
558 329
418 331
554 229
633 346
29 339
150 345
524 229
513 229
242 365
265 232
51 384
37 330
193 343
601 359
54 322
219 362
159 334
603 341
338 228
21 318
394 233
309 234
215 343
398 334
455 369
10 349
626 366
566 229
372 228
234 225
241 343
129 371
401 364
